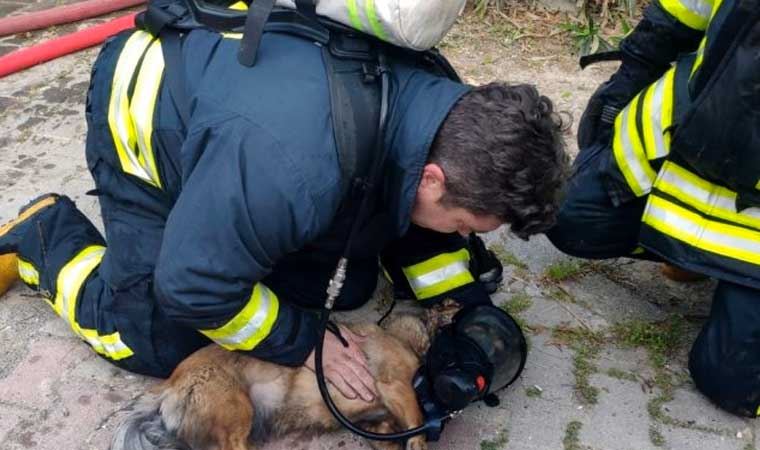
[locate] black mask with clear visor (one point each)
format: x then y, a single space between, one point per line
480 353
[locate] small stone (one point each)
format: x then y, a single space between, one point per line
739 435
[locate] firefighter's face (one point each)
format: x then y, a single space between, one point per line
429 212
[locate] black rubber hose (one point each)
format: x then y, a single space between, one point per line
322 383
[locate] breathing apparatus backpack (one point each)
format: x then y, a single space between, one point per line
463 356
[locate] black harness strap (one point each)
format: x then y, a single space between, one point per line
594 58
354 105
258 14
171 44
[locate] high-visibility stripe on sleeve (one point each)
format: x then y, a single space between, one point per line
703 45
69 283
692 13
702 233
251 325
134 90
28 273
629 152
657 116
709 198
439 274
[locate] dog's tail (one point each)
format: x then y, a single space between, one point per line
144 429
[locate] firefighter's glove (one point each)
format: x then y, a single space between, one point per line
484 264
609 99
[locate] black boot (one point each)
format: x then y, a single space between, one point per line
12 232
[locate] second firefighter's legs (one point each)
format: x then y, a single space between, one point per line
725 359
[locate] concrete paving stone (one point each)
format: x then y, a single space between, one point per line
684 439
10 417
37 377
630 361
7 8
690 407
610 300
551 313
537 253
619 418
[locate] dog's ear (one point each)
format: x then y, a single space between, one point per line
411 330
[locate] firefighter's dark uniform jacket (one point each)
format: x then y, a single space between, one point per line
689 140
234 221
675 177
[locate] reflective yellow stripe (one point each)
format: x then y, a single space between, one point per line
251 325
692 13
143 106
708 198
702 45
28 273
353 15
439 274
629 152
697 231
377 26
239 6
69 283
132 125
700 56
657 116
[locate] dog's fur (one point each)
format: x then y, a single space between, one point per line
221 400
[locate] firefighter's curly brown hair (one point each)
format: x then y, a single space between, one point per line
502 152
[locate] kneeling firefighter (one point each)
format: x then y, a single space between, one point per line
669 170
247 157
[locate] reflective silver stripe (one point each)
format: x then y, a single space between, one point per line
437 276
709 198
143 105
693 229
252 324
130 117
655 111
698 7
122 128
630 161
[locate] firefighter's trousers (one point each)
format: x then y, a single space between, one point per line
725 358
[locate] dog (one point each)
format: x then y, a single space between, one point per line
221 400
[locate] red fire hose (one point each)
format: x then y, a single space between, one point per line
89 37
62 14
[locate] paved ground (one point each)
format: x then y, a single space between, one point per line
608 341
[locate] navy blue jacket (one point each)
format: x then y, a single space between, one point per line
255 177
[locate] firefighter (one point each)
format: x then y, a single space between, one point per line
226 228
668 170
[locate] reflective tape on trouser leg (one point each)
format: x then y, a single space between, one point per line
69 282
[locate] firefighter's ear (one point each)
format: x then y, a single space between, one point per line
432 184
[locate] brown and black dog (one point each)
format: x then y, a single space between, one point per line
222 400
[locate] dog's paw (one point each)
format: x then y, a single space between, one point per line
416 443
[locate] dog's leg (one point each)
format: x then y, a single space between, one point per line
401 401
382 427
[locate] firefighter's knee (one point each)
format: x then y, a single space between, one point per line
725 381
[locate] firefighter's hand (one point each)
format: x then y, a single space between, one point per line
346 367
